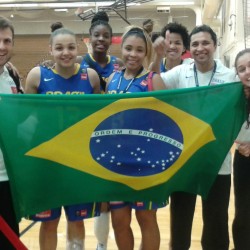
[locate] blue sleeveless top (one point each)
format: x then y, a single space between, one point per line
162 65
112 65
54 84
120 85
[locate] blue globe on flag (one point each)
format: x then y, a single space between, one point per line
137 135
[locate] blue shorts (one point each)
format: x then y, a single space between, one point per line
73 213
148 205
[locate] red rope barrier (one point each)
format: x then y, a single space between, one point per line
11 236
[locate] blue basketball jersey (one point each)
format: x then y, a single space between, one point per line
119 84
112 65
163 65
52 83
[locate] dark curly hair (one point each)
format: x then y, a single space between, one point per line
100 18
177 28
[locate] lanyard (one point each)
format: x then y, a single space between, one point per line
129 84
196 75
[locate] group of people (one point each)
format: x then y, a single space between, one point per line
105 73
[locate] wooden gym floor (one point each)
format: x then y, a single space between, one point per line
30 238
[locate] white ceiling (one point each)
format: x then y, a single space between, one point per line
145 4
19 7
183 11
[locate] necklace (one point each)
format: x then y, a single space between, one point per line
196 75
129 84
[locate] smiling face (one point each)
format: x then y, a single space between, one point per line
6 45
64 50
202 48
176 47
100 38
243 68
134 52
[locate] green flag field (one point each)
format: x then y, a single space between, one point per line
71 149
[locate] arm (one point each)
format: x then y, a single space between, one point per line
160 47
32 81
109 80
94 80
244 148
157 82
172 78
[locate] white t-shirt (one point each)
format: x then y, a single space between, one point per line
7 86
183 76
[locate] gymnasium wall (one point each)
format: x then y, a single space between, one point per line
31 50
32 29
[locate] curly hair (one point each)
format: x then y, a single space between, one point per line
100 18
177 28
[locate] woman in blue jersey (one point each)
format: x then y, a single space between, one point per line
178 38
136 50
101 38
67 77
98 59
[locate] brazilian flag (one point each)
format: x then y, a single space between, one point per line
65 149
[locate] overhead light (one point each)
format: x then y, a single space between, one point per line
61 10
133 4
42 5
7 1
54 5
163 9
178 3
14 5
